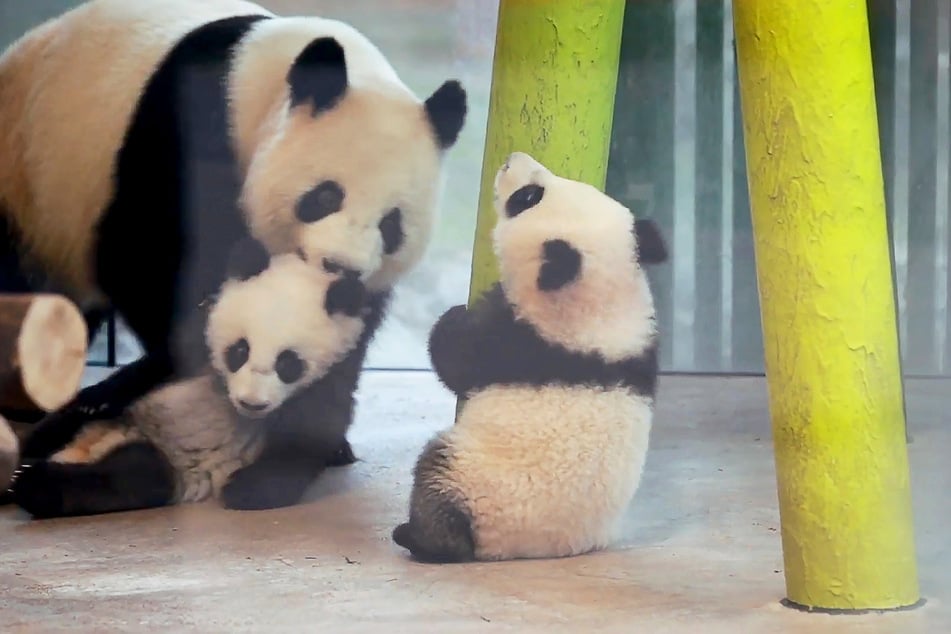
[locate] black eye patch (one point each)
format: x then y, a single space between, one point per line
524 198
237 355
320 202
391 228
561 264
289 366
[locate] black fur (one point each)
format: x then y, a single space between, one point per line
561 264
346 295
248 258
485 345
446 109
523 198
651 247
131 477
391 230
164 240
321 201
319 75
309 433
439 528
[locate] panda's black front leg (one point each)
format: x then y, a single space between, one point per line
104 400
458 349
276 480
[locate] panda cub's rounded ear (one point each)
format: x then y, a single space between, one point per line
561 264
248 258
651 247
345 295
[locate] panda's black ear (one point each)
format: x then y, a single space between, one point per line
446 109
248 258
319 75
651 248
345 295
561 264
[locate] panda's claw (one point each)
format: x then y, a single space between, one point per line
36 493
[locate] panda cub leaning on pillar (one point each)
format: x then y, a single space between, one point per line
557 366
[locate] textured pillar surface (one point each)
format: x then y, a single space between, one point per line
828 314
554 78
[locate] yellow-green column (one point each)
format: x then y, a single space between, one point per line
829 326
554 78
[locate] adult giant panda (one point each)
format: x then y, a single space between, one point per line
557 364
276 328
140 140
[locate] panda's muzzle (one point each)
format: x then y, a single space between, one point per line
252 407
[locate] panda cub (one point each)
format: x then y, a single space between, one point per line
276 328
557 367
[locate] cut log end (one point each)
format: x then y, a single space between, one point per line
52 351
9 453
45 341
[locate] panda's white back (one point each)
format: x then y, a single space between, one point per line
548 471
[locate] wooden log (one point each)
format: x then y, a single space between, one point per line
43 344
9 453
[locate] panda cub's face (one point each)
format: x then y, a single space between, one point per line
278 326
570 260
351 177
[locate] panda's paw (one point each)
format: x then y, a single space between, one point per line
36 490
430 550
55 430
266 486
343 456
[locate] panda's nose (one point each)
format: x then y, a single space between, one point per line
252 407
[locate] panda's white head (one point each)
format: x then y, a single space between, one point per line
570 260
278 325
348 168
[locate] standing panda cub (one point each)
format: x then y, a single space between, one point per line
557 364
276 328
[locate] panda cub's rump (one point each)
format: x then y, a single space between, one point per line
276 328
557 365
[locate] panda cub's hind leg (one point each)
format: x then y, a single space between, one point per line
129 477
439 528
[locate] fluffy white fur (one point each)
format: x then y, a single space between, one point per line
549 471
196 426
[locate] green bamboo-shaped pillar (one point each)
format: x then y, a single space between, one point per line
554 78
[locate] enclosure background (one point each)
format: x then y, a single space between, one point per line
676 155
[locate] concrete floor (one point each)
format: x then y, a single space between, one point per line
702 552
